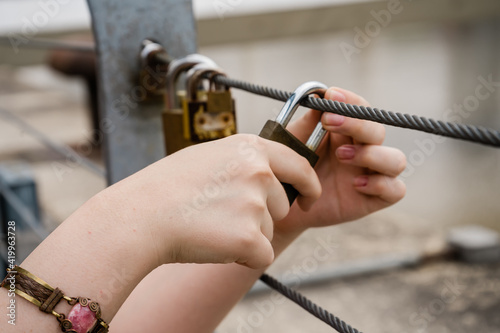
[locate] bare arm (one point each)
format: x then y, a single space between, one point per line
188 297
118 237
88 256
195 298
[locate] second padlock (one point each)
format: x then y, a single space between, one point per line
211 114
172 116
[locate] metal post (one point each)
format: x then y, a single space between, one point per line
131 124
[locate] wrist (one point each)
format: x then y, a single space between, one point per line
148 213
95 253
115 213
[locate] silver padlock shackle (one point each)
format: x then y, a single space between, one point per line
176 67
196 73
292 104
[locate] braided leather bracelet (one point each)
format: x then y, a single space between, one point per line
84 317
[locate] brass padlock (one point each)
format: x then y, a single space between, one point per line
172 116
276 131
220 100
211 115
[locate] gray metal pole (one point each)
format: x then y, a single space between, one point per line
131 125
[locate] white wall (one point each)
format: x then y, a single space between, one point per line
74 14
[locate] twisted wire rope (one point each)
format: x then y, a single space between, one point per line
305 303
471 133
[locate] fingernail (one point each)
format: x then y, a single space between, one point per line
345 152
335 95
332 119
361 181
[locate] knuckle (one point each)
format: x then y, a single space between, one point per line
246 137
247 239
380 185
367 156
283 210
358 126
254 139
401 190
267 259
303 164
380 134
256 206
261 173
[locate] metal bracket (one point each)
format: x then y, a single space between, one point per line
131 123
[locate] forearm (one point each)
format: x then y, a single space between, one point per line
189 298
93 254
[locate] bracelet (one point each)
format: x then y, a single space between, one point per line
84 316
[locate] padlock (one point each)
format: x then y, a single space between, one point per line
221 109
209 115
276 130
172 116
219 100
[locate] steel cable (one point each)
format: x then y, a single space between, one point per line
471 133
317 311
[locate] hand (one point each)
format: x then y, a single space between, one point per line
216 202
357 174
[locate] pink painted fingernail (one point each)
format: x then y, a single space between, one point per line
345 152
361 181
332 119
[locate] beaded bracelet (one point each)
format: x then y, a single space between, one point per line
84 317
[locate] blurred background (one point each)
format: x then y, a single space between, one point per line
439 59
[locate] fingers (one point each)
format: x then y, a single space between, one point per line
385 160
290 167
345 96
255 248
388 189
304 126
277 202
361 131
258 253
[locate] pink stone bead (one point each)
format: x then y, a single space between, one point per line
82 318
